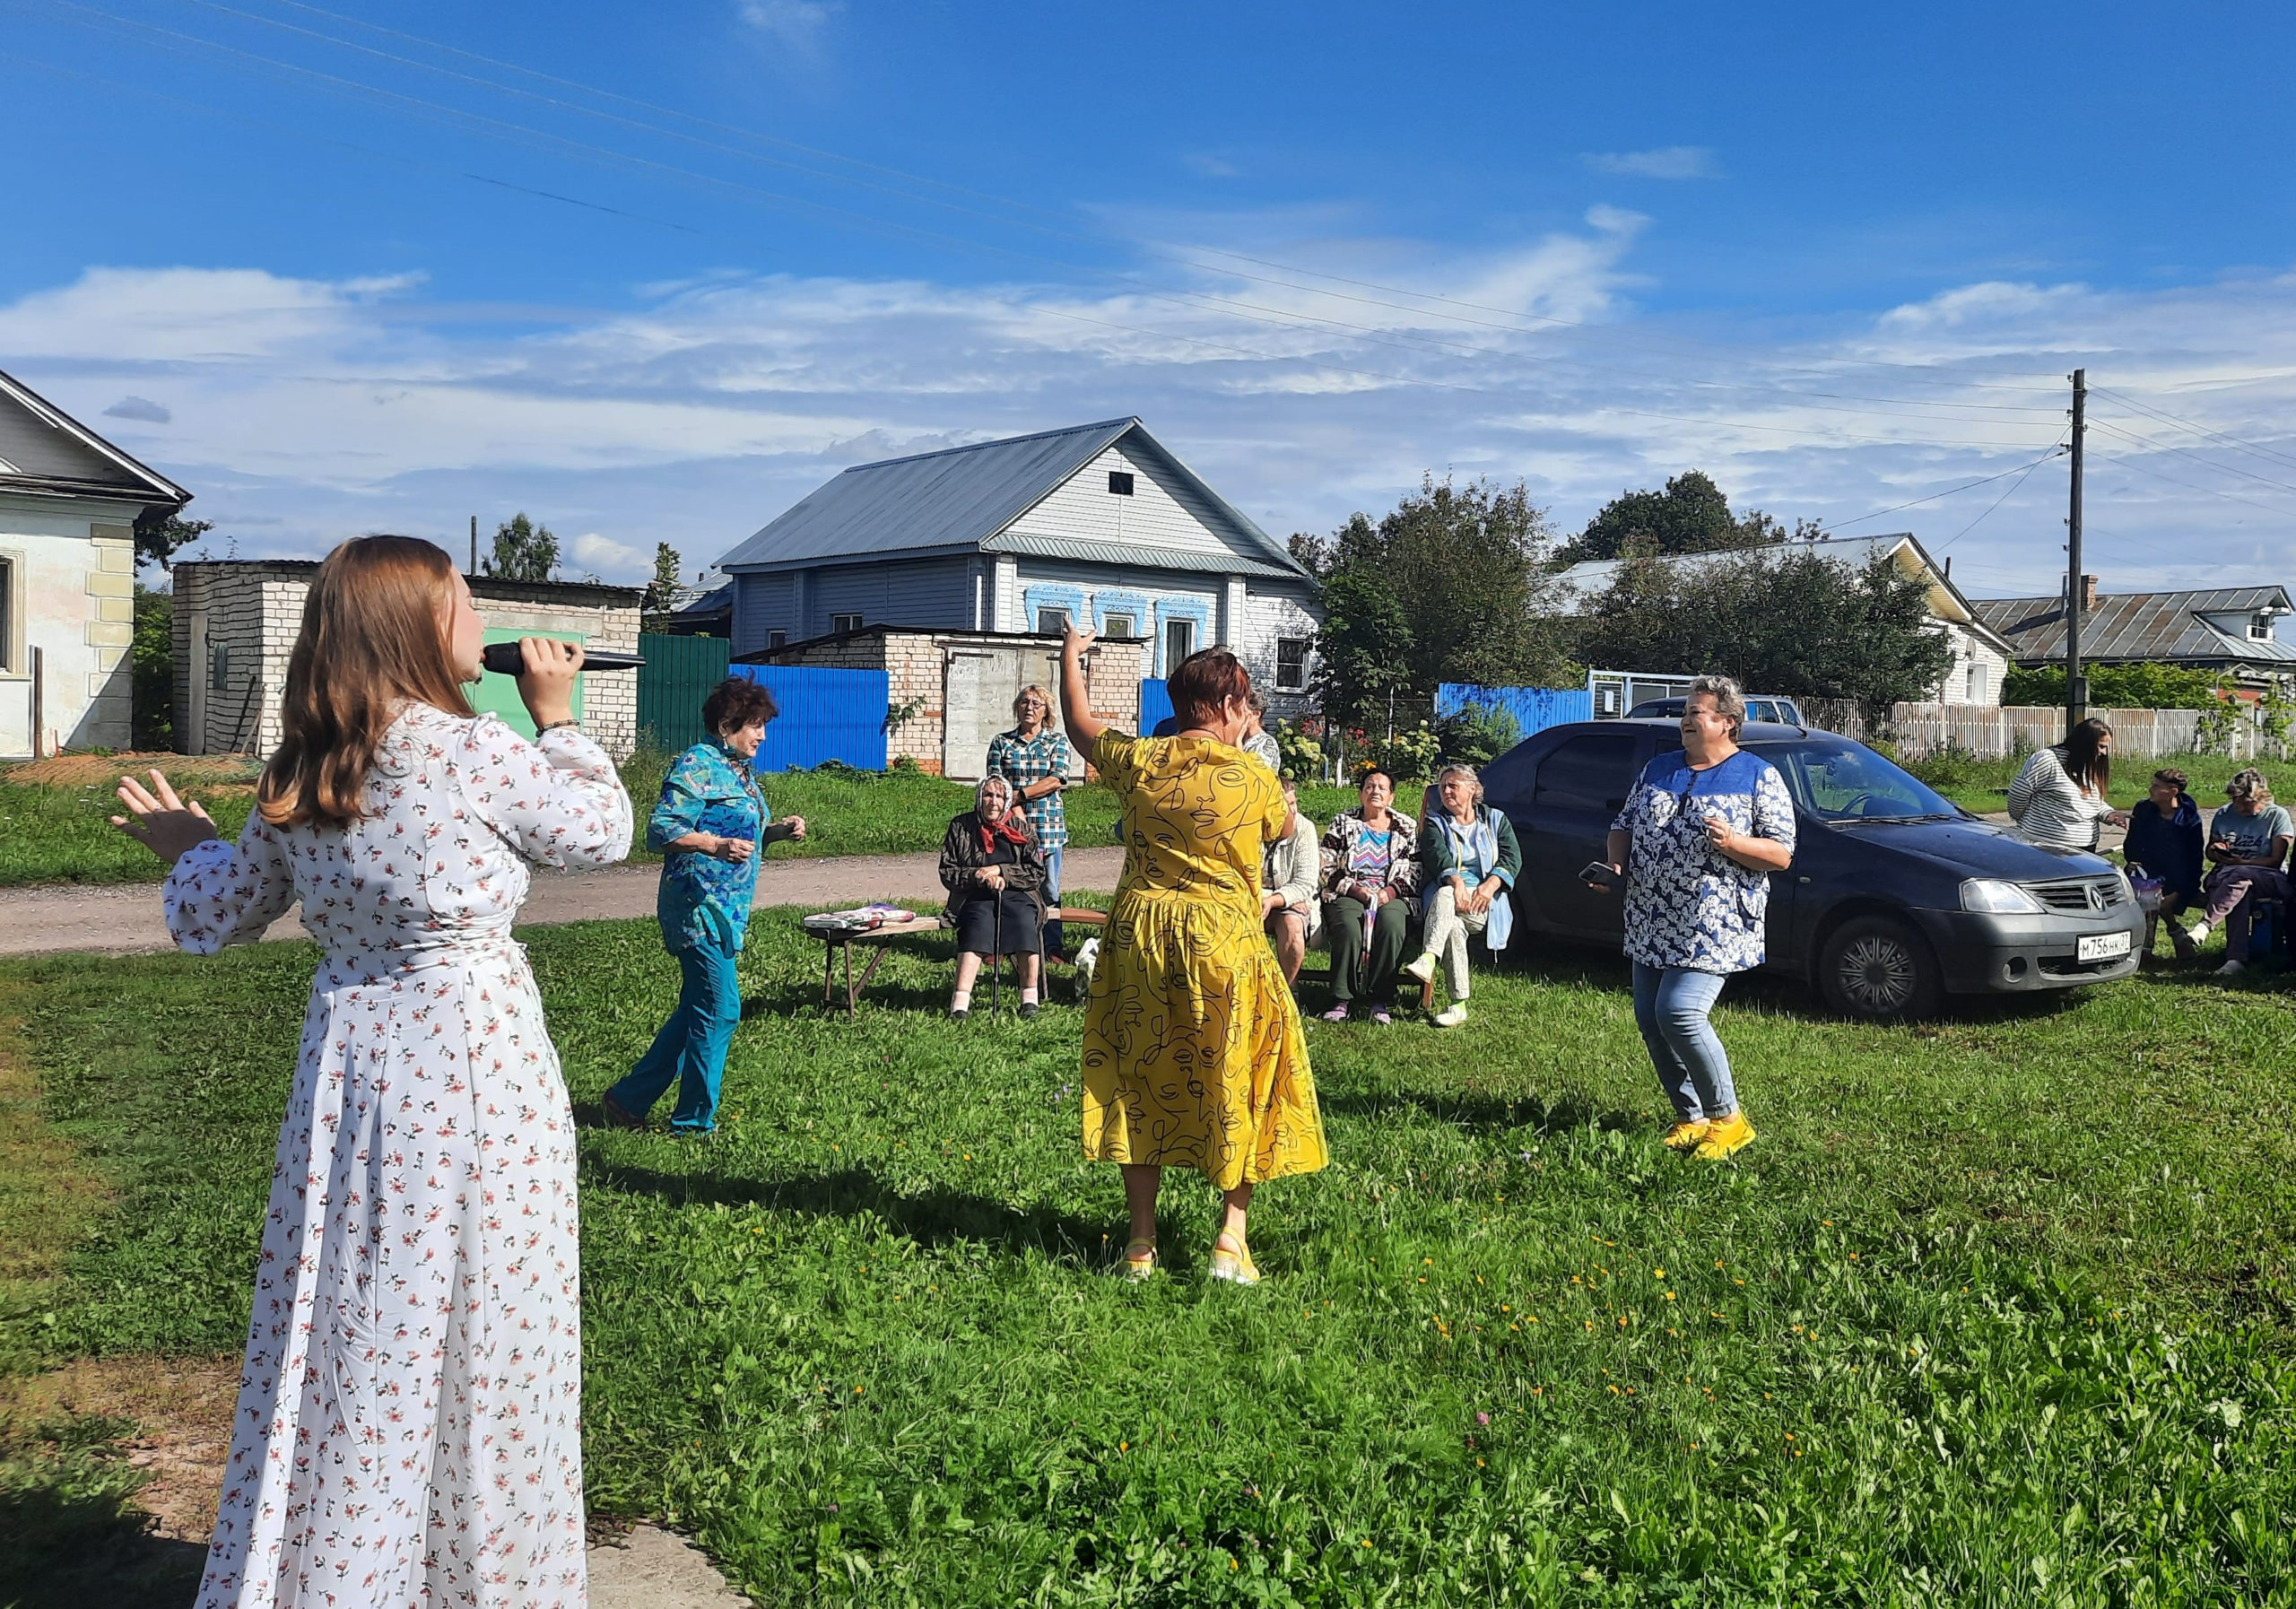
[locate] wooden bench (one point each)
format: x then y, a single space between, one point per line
835 944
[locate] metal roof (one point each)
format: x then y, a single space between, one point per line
2133 627
964 496
59 456
1130 552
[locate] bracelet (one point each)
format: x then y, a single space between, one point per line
554 725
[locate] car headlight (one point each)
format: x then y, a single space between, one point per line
2003 899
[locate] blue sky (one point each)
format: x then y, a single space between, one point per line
652 273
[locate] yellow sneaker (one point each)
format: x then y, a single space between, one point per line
1685 1136
1725 1137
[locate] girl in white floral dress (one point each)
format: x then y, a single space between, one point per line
408 1427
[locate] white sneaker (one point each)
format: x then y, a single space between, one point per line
2198 933
1088 956
1423 968
1451 1015
2232 968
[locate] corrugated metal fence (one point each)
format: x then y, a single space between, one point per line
1155 704
1535 709
825 715
678 675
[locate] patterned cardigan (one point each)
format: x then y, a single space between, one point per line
1339 843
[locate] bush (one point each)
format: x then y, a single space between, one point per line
2147 686
1952 767
1477 734
153 669
1300 744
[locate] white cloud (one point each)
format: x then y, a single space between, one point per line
1666 161
138 407
608 557
795 24
1211 165
306 410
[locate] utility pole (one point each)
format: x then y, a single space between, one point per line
2076 686
474 545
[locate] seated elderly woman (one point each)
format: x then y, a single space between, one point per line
995 875
1288 906
1467 860
1369 869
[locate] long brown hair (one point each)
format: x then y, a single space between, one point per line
374 638
2084 759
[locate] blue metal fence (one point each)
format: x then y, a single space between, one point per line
825 715
1155 704
1535 709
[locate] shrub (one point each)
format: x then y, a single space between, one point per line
1477 734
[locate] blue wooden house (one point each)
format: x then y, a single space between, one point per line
1099 523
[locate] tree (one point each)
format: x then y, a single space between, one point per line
2145 686
158 540
1792 620
663 591
522 551
1690 516
151 669
1451 585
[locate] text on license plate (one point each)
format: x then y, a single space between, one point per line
2102 946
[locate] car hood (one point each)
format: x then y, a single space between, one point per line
1976 848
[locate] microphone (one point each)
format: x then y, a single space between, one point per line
504 659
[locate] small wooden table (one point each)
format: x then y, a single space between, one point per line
836 944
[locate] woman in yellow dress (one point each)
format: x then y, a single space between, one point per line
1192 1052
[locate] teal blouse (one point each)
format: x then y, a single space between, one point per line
705 901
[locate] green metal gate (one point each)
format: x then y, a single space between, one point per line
678 675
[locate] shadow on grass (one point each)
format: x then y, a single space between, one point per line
58 1551
1478 1109
931 1217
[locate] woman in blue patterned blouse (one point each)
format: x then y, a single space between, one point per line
1698 837
708 828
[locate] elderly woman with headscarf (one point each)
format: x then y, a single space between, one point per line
994 873
1468 859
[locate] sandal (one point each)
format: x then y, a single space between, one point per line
1337 1014
1232 1261
1139 1259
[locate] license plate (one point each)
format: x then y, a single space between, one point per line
2103 946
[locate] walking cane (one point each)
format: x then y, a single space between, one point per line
997 953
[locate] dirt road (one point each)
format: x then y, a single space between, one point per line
124 919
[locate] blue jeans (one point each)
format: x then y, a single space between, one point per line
693 1044
1670 1007
1052 933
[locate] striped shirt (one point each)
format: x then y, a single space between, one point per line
2050 809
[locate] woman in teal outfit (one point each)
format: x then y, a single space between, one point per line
709 828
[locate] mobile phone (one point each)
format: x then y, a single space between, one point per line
1596 873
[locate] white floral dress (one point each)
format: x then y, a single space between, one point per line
408 1424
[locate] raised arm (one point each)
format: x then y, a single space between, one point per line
557 801
1075 698
219 894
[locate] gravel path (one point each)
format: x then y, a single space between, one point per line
121 919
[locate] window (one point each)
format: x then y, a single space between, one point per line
219 667
7 614
1120 625
1594 772
1180 642
1291 664
1974 689
1119 483
844 622
775 640
2260 628
1052 622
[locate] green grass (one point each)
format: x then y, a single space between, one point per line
1997 1311
64 834
1983 785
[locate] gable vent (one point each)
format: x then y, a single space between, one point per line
1119 483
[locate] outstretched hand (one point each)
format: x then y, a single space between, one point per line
159 821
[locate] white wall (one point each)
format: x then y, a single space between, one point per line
74 599
1278 612
1159 513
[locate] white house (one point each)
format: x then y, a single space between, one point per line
69 504
1981 655
1099 523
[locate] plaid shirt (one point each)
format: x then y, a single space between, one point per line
1020 762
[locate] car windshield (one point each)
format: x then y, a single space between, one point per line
1846 782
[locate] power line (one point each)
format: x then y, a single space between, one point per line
2165 417
2021 469
216 5
2171 447
1997 501
2142 468
1198 301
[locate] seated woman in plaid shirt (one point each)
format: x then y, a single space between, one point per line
1035 758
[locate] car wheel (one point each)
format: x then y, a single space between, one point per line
1879 967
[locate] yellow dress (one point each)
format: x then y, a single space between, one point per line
1194 1056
